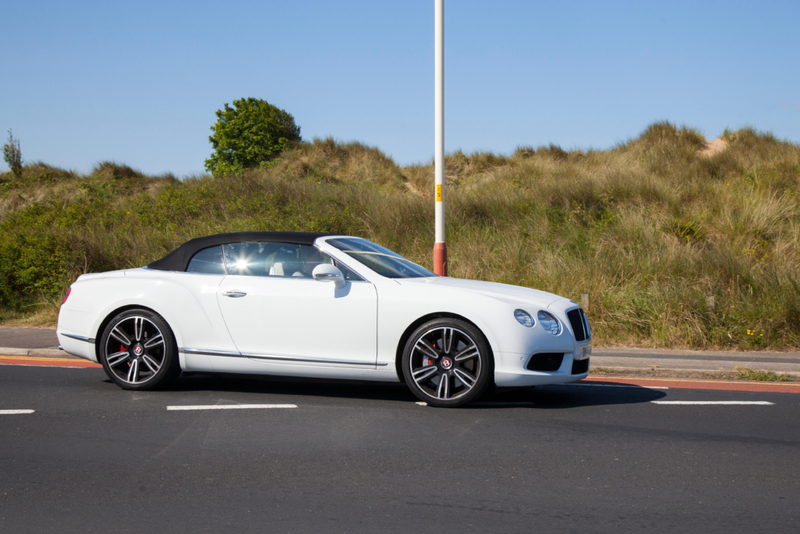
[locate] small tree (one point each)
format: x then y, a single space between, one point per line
251 132
13 155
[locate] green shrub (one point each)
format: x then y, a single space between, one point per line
13 155
250 133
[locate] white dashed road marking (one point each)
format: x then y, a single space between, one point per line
489 404
727 403
511 403
230 407
15 412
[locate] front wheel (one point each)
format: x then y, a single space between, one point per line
446 362
138 351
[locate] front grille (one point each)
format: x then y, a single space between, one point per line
580 366
579 324
545 361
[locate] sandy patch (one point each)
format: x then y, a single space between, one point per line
712 148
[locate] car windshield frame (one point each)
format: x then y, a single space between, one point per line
383 261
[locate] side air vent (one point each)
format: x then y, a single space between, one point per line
545 361
579 324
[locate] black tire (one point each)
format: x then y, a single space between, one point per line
138 351
447 363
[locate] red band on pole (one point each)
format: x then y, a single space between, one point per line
440 259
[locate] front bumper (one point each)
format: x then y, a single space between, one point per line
511 368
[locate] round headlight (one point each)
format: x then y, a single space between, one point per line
524 318
549 323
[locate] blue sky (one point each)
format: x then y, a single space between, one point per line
139 82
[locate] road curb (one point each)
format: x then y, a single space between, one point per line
48 353
718 374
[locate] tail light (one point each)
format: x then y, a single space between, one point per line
67 295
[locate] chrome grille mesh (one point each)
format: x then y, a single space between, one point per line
579 324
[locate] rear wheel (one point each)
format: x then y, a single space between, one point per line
138 350
446 362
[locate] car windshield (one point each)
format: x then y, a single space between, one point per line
381 260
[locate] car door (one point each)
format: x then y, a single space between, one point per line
275 310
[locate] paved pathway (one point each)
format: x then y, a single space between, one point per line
29 338
693 362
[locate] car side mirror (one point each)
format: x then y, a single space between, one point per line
325 272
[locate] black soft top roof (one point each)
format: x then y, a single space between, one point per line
178 259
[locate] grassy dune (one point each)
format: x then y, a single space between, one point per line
648 228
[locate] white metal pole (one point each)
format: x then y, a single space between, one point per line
439 247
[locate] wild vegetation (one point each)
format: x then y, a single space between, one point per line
12 155
251 133
649 229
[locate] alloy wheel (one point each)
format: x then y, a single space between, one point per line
135 350
445 363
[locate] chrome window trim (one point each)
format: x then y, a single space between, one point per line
278 358
79 338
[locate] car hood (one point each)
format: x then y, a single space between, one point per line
504 292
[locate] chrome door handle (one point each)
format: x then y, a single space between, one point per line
235 294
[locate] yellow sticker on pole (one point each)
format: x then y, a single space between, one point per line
438 192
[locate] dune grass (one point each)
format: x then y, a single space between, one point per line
648 228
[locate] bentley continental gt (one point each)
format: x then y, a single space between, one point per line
323 306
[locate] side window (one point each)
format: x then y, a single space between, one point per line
250 259
207 261
287 261
283 260
348 274
297 261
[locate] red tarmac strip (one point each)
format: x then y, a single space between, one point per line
47 362
675 383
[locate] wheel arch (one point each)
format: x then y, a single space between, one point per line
398 359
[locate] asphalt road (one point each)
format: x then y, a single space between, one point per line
366 458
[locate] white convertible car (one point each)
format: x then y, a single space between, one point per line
320 305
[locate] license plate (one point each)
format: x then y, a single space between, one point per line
585 352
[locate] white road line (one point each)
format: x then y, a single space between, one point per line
508 403
15 412
484 404
230 407
728 403
614 386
